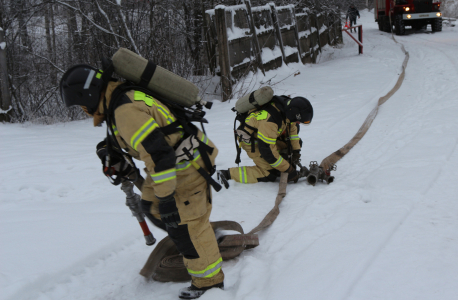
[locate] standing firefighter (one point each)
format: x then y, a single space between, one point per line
175 195
352 13
265 134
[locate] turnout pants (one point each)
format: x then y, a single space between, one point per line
261 172
194 236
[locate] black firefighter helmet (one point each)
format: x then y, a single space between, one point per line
299 109
82 85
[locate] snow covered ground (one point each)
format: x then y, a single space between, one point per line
387 228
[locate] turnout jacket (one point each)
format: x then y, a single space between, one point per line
139 118
270 128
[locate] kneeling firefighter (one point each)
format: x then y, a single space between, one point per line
175 195
267 133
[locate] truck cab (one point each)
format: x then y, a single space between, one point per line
401 13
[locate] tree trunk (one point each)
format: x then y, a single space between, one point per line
49 43
5 91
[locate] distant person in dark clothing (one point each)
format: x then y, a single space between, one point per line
352 13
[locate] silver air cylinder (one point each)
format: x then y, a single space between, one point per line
260 97
130 66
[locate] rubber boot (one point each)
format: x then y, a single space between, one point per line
193 292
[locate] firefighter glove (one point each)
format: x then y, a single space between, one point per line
169 211
293 175
117 164
296 157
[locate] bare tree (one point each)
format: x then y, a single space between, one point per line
46 37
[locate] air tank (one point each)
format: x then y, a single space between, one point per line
130 66
260 97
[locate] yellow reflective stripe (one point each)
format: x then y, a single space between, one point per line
209 271
170 119
294 137
242 174
143 132
204 139
262 115
266 139
150 101
140 96
255 142
248 118
115 130
99 74
277 163
164 176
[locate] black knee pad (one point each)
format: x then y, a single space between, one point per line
146 208
180 236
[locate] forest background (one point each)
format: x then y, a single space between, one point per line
39 40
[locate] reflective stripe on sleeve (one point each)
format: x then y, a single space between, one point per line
277 163
266 139
294 137
143 132
209 271
164 176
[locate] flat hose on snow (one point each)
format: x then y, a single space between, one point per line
165 263
337 155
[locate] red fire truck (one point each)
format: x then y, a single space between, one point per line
401 13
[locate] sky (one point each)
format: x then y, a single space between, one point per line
386 228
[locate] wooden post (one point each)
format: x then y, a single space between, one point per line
329 24
223 49
311 51
6 95
256 47
208 41
296 33
318 31
360 38
206 34
277 29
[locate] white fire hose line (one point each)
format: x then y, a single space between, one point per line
337 155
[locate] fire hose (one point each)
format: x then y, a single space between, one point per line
165 262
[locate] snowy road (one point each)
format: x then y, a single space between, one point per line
387 228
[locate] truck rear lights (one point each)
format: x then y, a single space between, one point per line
406 8
409 16
438 14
